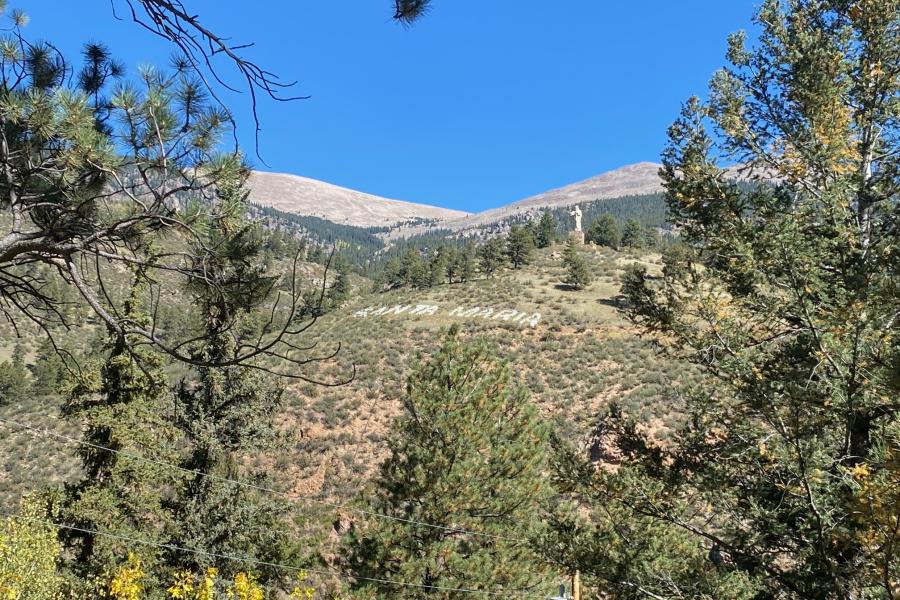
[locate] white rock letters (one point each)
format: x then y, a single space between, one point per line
507 315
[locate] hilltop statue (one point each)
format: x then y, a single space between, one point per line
577 214
577 234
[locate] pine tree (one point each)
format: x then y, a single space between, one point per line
546 231
414 270
468 454
123 404
393 273
439 265
461 266
13 382
519 246
652 238
492 256
633 235
17 362
452 270
577 275
48 370
604 231
316 254
340 290
467 259
227 413
785 294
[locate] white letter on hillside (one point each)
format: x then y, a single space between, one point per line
398 309
506 315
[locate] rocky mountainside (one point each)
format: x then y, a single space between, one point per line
304 196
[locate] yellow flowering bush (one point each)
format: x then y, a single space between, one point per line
245 588
28 554
128 581
183 586
187 586
301 591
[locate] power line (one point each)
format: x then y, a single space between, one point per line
289 568
50 434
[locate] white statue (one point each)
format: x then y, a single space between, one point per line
577 214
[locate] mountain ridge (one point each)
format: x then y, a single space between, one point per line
311 197
630 180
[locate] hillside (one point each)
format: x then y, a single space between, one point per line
573 351
579 355
310 197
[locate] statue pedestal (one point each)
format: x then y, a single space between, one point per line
577 236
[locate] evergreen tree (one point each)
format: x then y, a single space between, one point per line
461 263
577 275
314 303
454 265
13 382
519 246
316 254
468 454
393 273
414 270
492 256
452 253
531 227
123 404
227 413
48 370
439 265
123 171
652 238
633 234
604 231
275 242
785 469
17 362
546 230
340 290
467 259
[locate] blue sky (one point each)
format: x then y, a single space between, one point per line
479 104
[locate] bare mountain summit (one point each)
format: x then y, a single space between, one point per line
631 180
304 196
